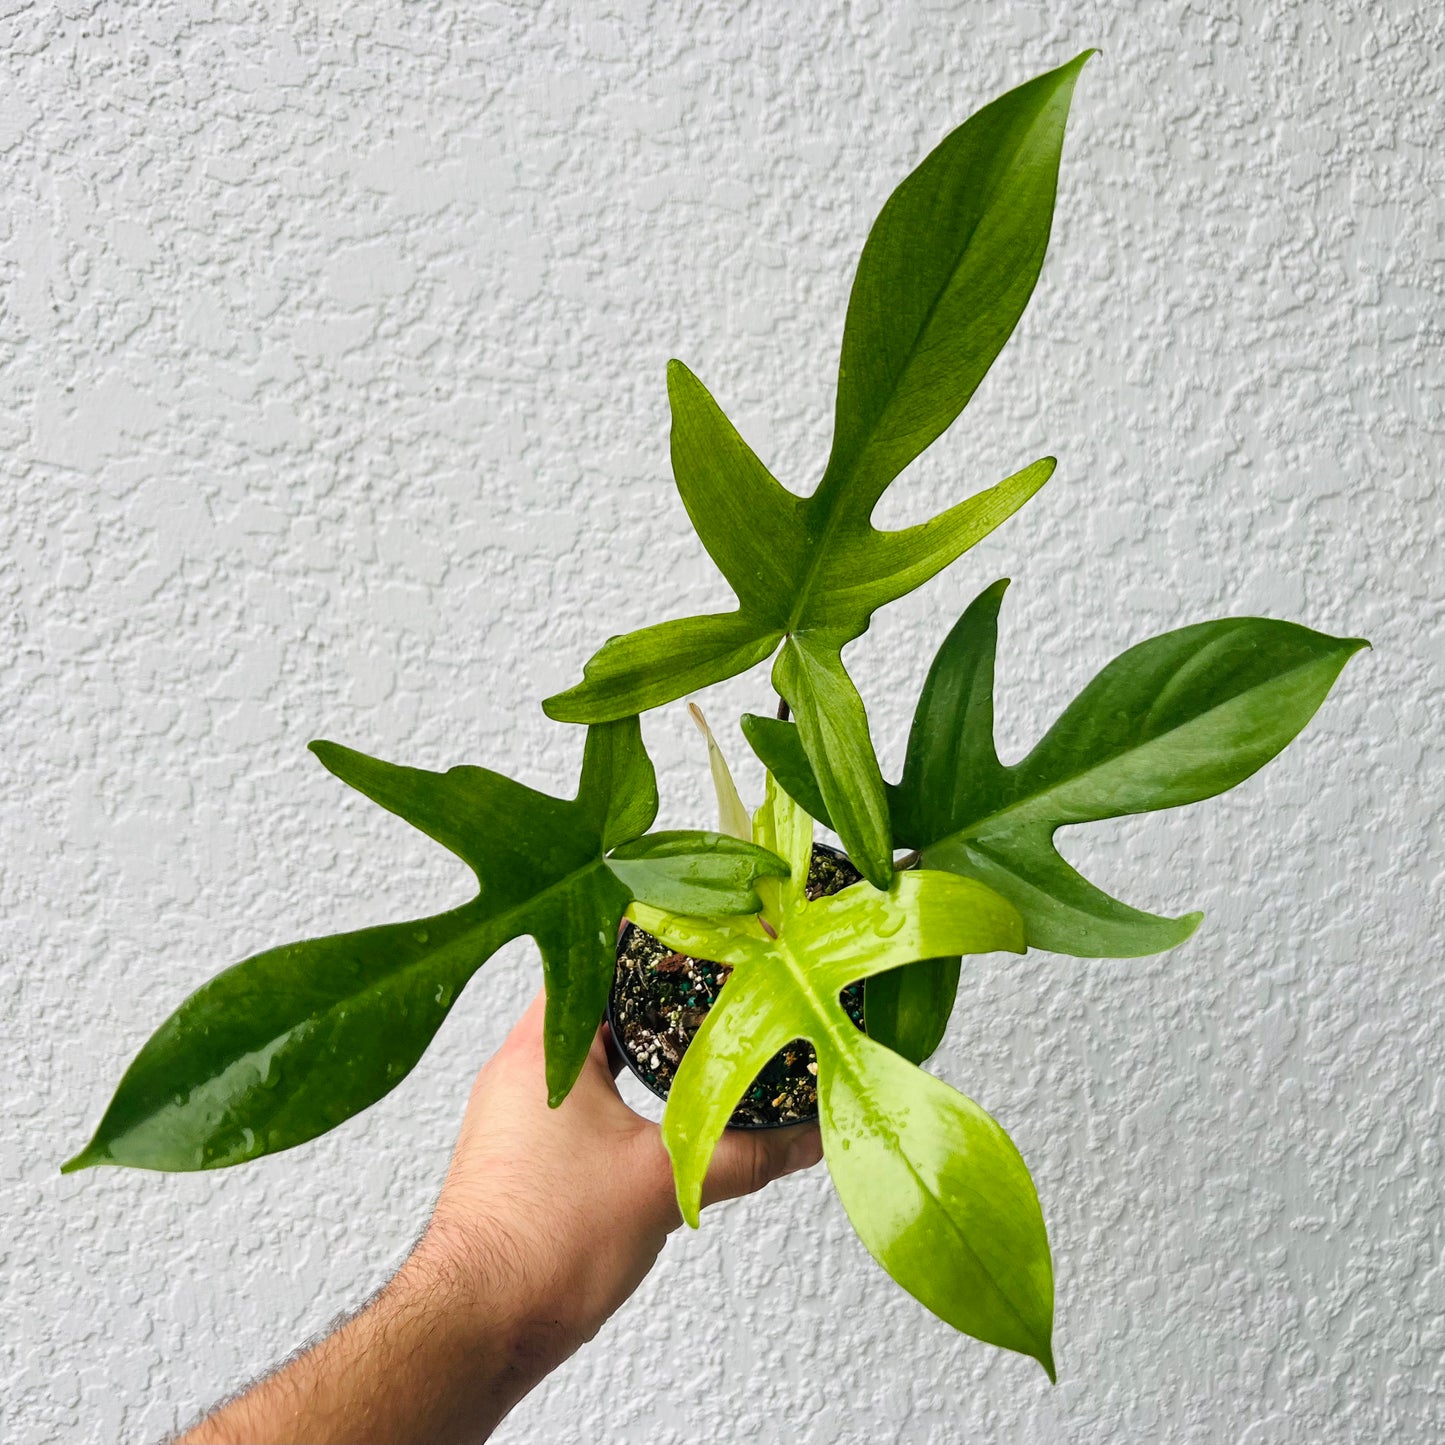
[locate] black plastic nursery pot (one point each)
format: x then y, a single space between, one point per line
659 999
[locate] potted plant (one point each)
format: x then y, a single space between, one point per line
289 1043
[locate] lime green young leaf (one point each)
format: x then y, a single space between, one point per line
1175 720
787 831
941 1198
289 1043
934 1188
907 1008
943 279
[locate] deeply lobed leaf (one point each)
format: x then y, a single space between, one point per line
932 1184
285 1045
947 270
1174 720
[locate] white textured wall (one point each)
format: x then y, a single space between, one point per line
331 403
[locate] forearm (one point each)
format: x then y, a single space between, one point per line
430 1359
548 1220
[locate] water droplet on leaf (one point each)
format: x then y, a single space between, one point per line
889 924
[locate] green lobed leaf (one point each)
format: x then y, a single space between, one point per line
946 272
832 724
937 1193
287 1044
1174 720
753 527
945 275
659 664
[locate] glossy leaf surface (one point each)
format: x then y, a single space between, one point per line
932 1184
1175 720
694 872
941 1198
907 1009
946 272
287 1044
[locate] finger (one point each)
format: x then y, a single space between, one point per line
603 1062
616 1061
528 1030
747 1159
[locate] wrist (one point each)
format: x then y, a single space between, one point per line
484 1296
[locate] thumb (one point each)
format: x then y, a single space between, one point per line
747 1159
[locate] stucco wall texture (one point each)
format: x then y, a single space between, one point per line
331 348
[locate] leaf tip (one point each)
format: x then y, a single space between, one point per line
555 707
88 1158
331 756
560 1077
689 1197
580 703
679 375
1066 76
1045 1357
686 1187
1071 68
878 871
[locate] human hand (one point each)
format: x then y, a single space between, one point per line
548 1220
562 1212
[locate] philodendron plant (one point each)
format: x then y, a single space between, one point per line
293 1041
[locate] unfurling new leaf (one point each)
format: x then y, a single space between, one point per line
732 816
